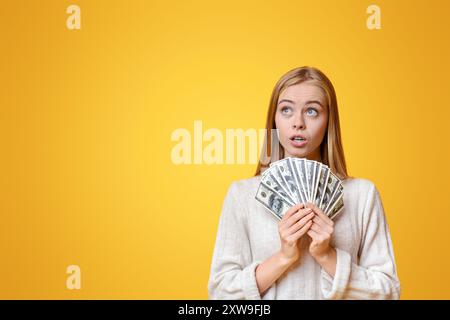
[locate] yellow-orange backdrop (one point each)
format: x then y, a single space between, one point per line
87 115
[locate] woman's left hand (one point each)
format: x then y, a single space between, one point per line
320 233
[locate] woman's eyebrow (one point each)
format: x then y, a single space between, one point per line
285 100
307 102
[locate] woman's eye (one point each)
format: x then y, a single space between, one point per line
313 112
285 110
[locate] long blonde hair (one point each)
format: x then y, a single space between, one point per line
331 150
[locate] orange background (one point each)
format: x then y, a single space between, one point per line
87 115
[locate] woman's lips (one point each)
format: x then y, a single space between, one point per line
298 144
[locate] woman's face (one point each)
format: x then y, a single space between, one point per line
301 119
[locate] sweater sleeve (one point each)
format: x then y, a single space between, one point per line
232 274
374 276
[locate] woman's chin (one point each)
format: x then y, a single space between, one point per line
297 153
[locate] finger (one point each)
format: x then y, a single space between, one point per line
315 227
323 224
302 231
293 210
321 214
319 221
319 230
314 235
297 216
299 224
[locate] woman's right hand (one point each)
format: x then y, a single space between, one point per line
294 224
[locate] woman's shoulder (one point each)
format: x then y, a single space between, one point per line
246 185
242 190
359 185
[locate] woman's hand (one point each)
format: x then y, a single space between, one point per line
294 224
320 232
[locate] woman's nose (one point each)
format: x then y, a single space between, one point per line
299 123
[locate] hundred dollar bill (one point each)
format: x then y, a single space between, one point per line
299 180
278 178
269 181
337 193
309 172
316 178
323 178
292 166
272 201
337 208
331 186
301 176
288 179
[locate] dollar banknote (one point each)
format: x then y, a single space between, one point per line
289 181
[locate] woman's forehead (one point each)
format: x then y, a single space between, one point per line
302 92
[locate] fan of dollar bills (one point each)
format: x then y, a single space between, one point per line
298 180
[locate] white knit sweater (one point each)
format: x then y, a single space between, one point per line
248 234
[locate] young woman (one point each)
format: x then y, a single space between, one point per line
305 255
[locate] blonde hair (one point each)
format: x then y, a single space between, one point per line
331 150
